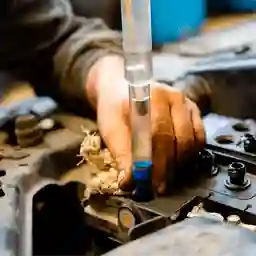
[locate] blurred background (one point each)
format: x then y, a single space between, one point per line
173 20
186 33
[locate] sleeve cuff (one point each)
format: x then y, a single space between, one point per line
197 89
75 82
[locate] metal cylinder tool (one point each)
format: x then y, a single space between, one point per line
137 46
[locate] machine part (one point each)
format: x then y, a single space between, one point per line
47 124
234 219
191 236
149 226
46 165
237 179
19 184
243 138
214 216
128 216
241 127
41 107
122 219
222 202
217 202
221 212
207 163
27 131
232 137
137 45
249 143
224 139
199 211
25 122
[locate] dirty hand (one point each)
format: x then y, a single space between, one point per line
177 129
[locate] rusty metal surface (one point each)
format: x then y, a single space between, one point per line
35 168
193 237
54 162
173 241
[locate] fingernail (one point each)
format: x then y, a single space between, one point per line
121 176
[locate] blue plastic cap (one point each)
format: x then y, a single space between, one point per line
142 171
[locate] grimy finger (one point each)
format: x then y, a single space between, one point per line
183 126
117 136
163 155
198 126
162 143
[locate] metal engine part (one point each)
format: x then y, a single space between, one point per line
223 186
43 211
34 184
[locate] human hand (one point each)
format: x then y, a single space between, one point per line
177 131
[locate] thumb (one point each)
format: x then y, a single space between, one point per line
116 134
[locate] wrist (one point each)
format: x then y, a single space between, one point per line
106 77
